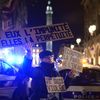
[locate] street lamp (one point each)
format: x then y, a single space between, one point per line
78 41
72 46
91 29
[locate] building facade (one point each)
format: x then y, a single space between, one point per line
13 14
92 30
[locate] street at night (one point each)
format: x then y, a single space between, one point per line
49 50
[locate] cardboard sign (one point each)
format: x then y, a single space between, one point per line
55 84
35 35
72 59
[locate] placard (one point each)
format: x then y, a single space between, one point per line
72 59
35 35
55 84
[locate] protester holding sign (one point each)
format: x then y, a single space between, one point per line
47 84
46 69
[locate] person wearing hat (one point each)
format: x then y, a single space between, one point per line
46 68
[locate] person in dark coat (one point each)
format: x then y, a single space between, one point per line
22 78
45 69
38 86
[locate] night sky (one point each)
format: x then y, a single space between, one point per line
69 11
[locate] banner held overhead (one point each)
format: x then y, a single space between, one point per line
34 35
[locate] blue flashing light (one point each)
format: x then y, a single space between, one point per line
19 59
10 59
13 59
6 66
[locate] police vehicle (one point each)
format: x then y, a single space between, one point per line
7 77
86 86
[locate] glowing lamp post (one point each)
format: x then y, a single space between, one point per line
91 29
72 46
78 41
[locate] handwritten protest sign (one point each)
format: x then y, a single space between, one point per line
35 35
55 84
72 59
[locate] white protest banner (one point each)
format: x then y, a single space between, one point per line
35 35
72 59
55 84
